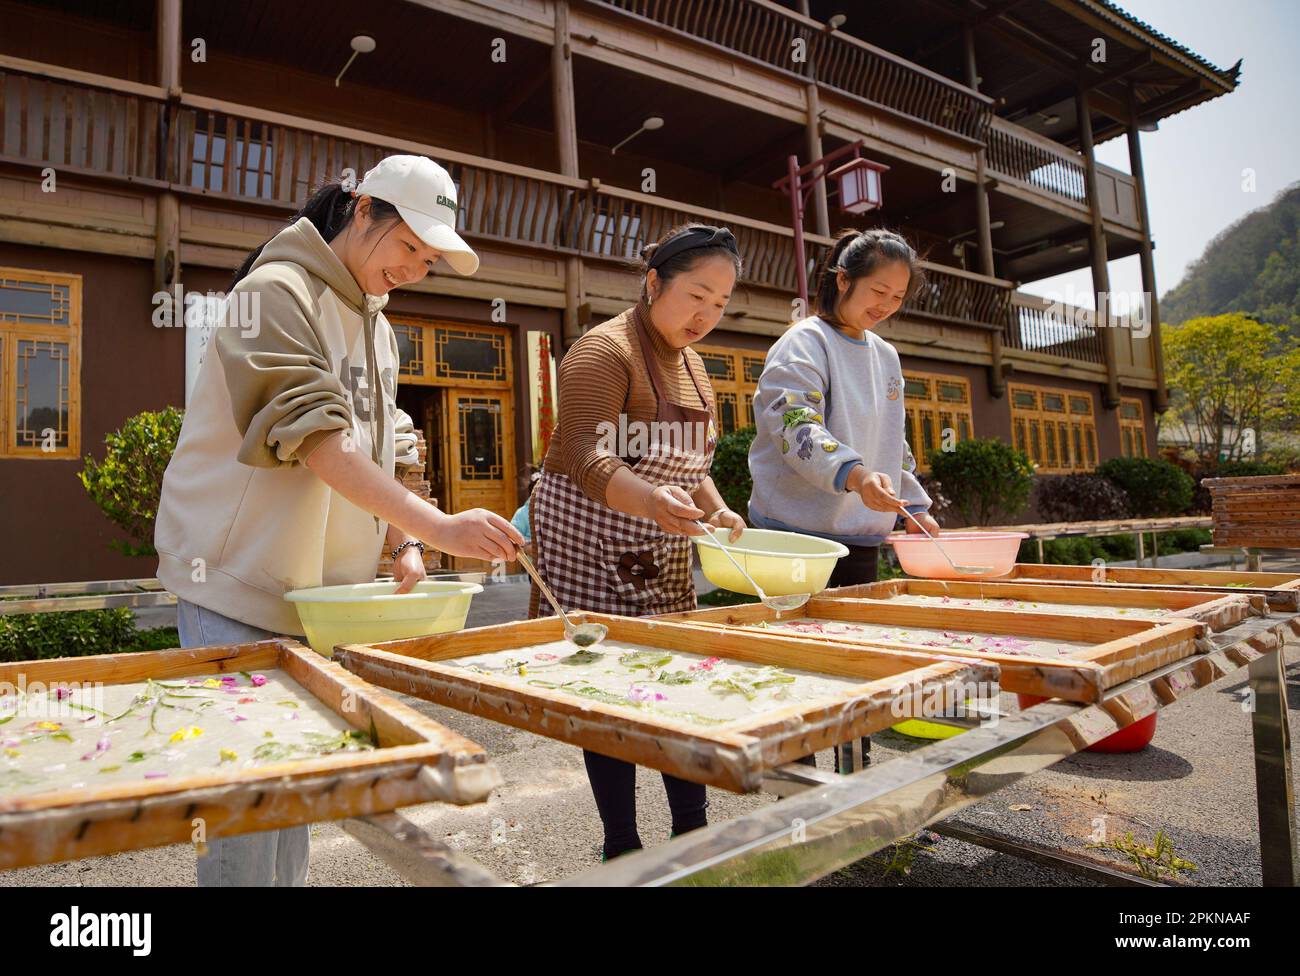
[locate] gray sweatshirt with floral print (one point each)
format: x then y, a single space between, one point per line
825 404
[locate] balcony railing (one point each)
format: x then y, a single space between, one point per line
1040 325
764 32
1039 163
245 155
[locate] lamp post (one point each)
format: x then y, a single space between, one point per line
861 190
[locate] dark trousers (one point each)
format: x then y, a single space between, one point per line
613 783
859 566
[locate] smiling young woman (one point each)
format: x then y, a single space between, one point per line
284 474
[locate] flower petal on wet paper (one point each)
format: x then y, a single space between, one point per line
258 680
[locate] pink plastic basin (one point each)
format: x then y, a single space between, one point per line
920 557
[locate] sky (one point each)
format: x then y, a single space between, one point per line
1194 163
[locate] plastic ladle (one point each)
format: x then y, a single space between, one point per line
584 635
778 603
962 570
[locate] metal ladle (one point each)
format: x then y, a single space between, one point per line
962 570
584 635
778 603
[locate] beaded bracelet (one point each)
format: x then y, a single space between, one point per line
397 550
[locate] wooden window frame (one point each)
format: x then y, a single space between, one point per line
931 407
1132 432
11 334
428 372
1053 438
737 386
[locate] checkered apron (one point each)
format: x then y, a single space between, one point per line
599 559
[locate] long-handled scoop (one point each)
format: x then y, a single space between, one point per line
963 570
778 603
584 635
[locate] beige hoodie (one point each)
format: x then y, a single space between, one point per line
241 520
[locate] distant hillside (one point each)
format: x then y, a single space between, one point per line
1252 266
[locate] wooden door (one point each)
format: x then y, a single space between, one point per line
479 434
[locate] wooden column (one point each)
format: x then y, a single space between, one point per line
167 242
813 137
566 142
1148 265
984 231
1097 248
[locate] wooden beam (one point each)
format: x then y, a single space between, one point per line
1117 71
566 139
1057 59
1097 249
1147 263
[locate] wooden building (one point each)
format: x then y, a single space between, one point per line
150 143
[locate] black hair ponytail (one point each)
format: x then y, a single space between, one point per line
858 254
330 209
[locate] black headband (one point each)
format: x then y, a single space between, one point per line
689 240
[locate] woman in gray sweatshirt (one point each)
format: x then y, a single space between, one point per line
830 457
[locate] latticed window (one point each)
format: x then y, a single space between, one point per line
733 375
481 442
1056 428
1132 428
938 413
40 364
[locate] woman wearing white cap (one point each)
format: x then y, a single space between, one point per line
284 474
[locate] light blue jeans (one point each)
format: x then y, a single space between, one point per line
269 858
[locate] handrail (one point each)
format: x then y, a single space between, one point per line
241 154
763 32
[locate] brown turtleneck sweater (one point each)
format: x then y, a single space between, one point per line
603 375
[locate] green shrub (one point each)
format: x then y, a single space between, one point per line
153 639
66 633
1079 498
127 484
1081 551
730 469
985 479
724 598
1155 487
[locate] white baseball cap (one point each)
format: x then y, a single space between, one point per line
425 197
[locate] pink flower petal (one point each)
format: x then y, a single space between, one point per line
154 775
259 680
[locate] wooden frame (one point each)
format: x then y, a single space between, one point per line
1121 649
1282 590
417 761
11 334
1217 613
732 756
921 410
1132 430
1067 422
1256 511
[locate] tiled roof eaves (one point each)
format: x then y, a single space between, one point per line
1114 14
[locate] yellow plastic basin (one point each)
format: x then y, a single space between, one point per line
783 563
365 613
919 729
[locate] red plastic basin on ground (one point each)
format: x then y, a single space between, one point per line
1131 738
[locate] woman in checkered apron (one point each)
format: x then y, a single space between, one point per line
610 521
